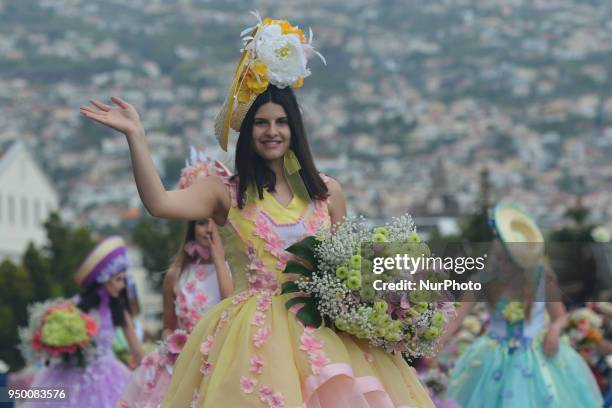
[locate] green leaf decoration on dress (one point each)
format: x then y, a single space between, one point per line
298 268
304 249
298 300
289 287
309 315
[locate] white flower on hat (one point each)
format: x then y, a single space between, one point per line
283 54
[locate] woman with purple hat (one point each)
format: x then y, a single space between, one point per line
100 381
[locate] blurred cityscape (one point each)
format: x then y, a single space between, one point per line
416 101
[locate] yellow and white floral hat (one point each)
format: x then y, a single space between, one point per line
274 52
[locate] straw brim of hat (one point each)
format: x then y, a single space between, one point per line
520 234
226 120
97 255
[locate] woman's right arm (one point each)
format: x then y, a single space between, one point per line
169 313
205 198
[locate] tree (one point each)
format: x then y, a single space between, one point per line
159 241
15 294
475 227
37 265
66 249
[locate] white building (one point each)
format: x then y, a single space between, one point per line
26 199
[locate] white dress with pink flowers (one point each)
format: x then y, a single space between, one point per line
196 291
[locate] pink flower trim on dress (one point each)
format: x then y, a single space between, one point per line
318 218
318 360
247 384
264 300
201 273
259 319
188 313
309 343
261 336
241 297
272 242
206 367
195 399
314 349
256 364
259 277
271 398
206 345
265 393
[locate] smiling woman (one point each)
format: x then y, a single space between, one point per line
250 350
272 131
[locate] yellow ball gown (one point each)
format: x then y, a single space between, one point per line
251 351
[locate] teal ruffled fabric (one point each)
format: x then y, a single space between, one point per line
514 373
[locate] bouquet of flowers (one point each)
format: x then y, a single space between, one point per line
584 330
335 287
57 328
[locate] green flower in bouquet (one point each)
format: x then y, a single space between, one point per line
380 331
414 237
382 231
432 333
419 308
355 262
342 272
380 306
437 319
378 238
393 336
353 282
64 328
341 324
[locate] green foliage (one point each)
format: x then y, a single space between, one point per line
43 287
66 249
308 313
475 227
159 241
15 294
304 249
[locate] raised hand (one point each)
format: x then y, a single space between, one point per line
214 241
122 118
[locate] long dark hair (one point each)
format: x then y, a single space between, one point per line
91 300
182 259
251 169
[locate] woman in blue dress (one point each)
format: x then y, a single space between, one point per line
521 361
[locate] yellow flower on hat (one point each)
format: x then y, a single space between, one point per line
256 79
254 82
298 84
